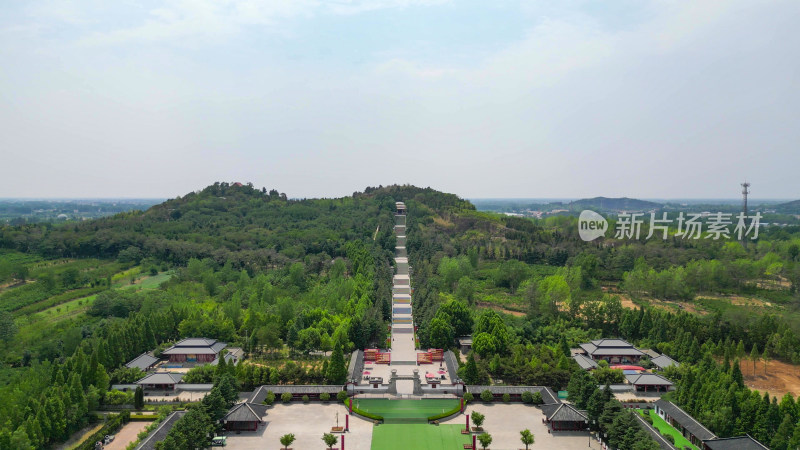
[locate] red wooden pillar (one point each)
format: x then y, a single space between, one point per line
342 442
346 423
462 404
467 423
474 442
351 405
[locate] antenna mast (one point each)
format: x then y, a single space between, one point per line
745 191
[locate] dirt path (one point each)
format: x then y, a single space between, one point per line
126 435
499 308
781 378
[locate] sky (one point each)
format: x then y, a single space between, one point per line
568 98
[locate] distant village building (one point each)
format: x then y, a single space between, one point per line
191 350
615 351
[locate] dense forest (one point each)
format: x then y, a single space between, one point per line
289 280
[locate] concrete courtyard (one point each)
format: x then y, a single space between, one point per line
308 422
504 421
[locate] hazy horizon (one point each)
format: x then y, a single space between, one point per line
644 99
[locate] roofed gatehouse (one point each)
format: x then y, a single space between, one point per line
615 351
565 417
202 350
244 417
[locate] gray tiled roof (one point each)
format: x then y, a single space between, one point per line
735 443
648 379
664 361
585 362
687 421
161 378
143 361
452 366
158 435
356 365
261 393
564 412
246 412
547 394
196 346
610 347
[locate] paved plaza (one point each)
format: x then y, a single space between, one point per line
308 422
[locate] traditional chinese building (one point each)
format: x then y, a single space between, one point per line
615 351
201 350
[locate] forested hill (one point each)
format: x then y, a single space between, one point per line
792 207
614 204
229 223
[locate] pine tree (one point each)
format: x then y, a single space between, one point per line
754 357
736 373
471 375
337 371
138 398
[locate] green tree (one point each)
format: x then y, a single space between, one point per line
458 315
138 398
477 419
471 374
526 437
337 371
485 439
754 357
286 440
329 439
441 334
286 397
487 396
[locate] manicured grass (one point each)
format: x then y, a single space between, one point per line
667 429
406 409
418 437
149 282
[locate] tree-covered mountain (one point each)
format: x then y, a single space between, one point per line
613 204
792 207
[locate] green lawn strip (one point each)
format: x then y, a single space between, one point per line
666 429
418 437
149 282
405 409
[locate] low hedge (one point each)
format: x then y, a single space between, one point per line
453 411
363 413
113 424
144 417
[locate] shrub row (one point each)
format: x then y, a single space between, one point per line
453 411
112 425
363 413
